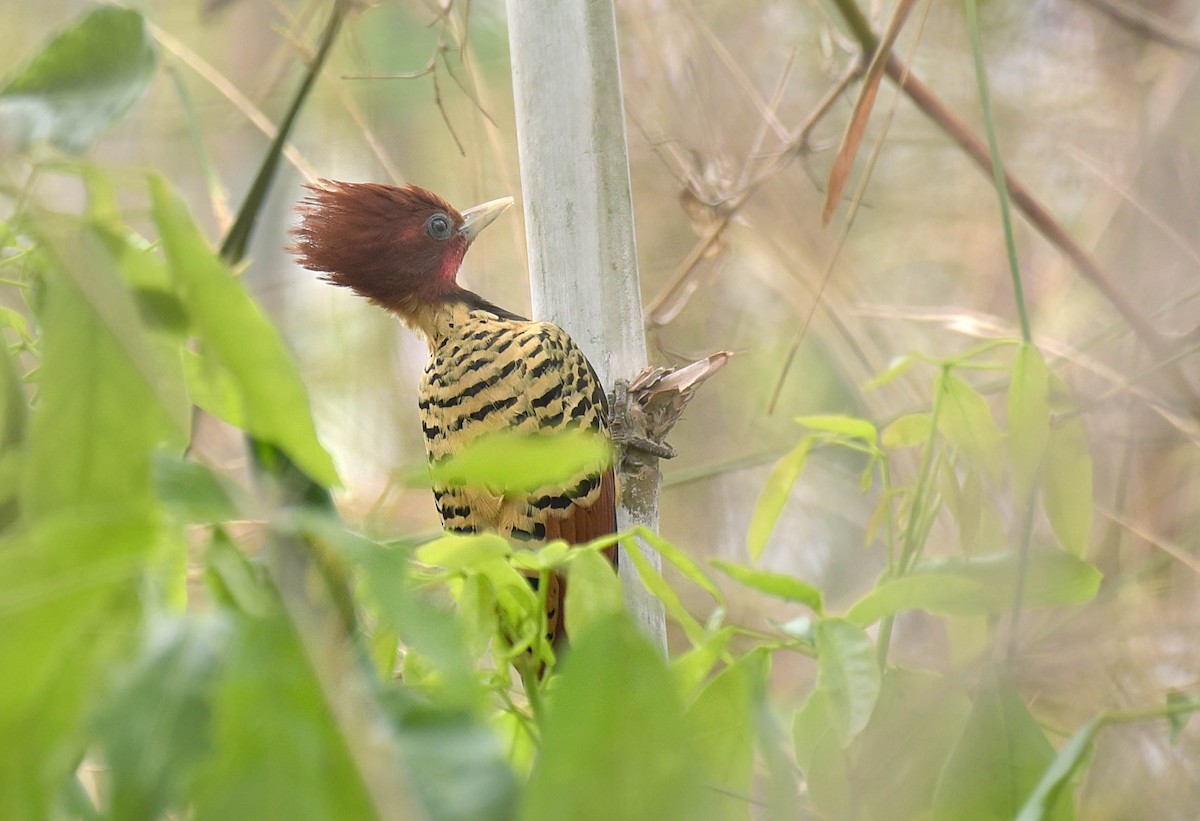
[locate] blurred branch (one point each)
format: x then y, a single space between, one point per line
231 92
1041 218
1147 23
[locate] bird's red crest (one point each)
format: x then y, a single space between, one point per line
381 241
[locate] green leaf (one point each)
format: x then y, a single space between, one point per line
156 727
847 426
108 398
1067 486
278 752
692 667
241 338
82 80
980 584
773 584
773 497
658 587
683 563
997 761
906 431
515 462
1177 719
461 551
848 673
1066 768
966 420
614 742
921 714
821 757
213 388
896 369
69 605
191 492
721 726
1028 417
593 591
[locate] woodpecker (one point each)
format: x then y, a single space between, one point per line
489 369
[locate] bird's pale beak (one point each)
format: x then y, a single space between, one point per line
481 216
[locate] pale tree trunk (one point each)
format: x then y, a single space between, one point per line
579 216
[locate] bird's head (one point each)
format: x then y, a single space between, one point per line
401 248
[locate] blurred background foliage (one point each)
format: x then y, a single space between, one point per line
1096 112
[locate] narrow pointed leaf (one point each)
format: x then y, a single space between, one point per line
967 421
1028 417
774 496
773 584
241 338
1067 486
848 673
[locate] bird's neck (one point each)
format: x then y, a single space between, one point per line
435 322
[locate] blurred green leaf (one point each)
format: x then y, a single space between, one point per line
721 726
213 388
998 759
962 585
82 80
821 757
69 604
966 420
107 397
906 431
691 668
190 491
614 742
773 584
774 496
277 751
847 426
511 461
848 673
1028 417
895 762
241 338
593 591
1067 486
456 765
461 551
1052 795
1179 719
895 370
156 727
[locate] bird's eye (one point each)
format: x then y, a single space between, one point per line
438 226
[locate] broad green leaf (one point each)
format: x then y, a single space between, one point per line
241 338
593 591
895 762
1028 417
13 410
684 563
848 673
82 80
213 389
614 742
69 603
107 397
778 585
847 426
156 727
906 431
515 462
966 420
980 584
1067 486
460 551
456 765
1053 791
997 761
942 593
721 726
773 497
821 756
191 492
277 750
